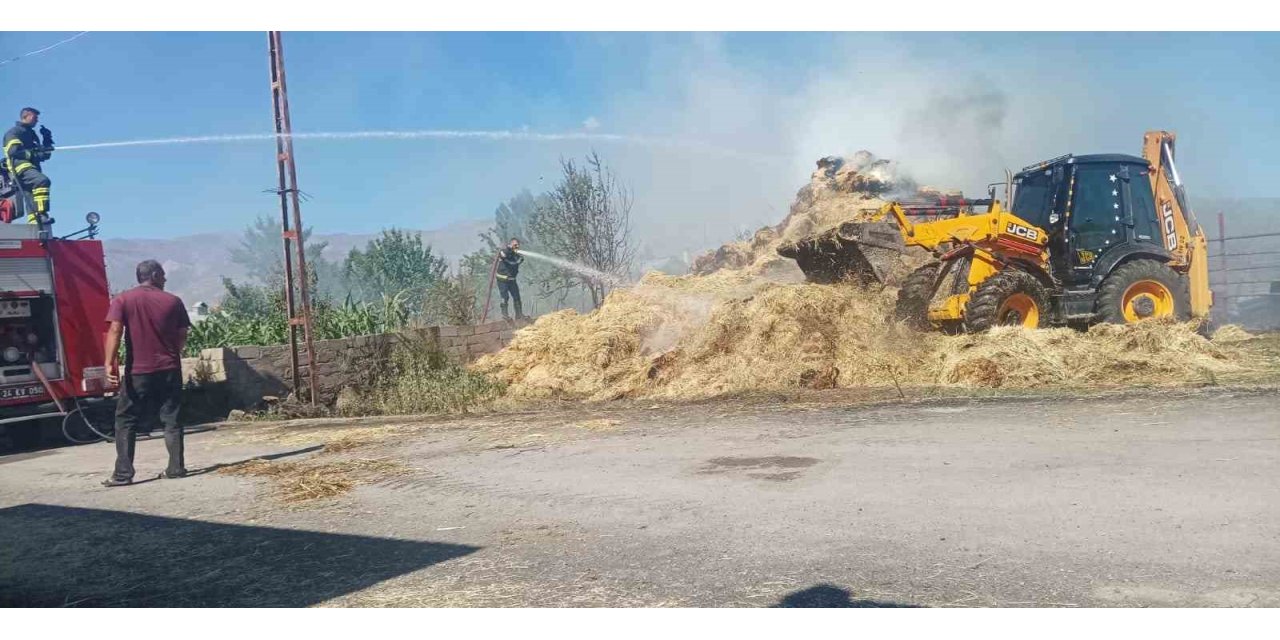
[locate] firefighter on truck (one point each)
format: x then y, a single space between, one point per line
24 152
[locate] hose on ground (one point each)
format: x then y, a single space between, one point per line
78 413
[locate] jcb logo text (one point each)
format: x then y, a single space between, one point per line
1021 231
1170 231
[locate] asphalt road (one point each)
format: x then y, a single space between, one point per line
1157 499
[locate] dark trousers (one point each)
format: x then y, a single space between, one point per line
146 399
509 289
35 185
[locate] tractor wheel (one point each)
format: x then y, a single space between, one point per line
1011 297
914 296
1143 289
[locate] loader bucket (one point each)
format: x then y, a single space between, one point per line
865 252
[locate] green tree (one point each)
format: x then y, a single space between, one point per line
251 300
392 264
261 253
587 218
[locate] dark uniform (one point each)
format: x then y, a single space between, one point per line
508 267
23 154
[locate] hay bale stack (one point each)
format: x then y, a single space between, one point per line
839 190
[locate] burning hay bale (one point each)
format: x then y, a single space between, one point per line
839 190
694 337
690 337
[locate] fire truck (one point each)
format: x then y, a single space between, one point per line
53 305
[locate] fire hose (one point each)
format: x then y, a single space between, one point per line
488 295
80 410
66 415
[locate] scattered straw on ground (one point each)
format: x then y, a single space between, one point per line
347 443
334 439
311 480
602 424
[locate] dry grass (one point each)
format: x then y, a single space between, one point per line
1147 353
334 438
696 337
602 424
1231 333
348 442
306 481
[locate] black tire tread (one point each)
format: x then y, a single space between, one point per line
984 304
914 296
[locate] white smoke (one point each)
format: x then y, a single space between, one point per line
945 123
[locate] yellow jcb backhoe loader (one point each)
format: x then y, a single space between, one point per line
1095 238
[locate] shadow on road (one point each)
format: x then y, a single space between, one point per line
827 596
63 556
274 456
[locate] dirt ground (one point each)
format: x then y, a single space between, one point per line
1151 498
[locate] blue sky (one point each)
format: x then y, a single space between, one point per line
953 108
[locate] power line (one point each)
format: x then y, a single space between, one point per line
1273 234
39 51
1264 266
1244 253
1232 284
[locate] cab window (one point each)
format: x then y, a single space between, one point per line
1096 209
1145 227
1033 200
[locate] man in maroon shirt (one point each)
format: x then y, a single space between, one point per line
155 325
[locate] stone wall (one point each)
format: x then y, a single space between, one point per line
245 375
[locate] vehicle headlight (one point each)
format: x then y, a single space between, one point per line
12 354
92 218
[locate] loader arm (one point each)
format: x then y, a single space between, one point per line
1183 236
998 231
871 251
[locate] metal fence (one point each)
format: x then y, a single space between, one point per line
1245 277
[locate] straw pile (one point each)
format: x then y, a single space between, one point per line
840 189
1231 333
671 338
745 321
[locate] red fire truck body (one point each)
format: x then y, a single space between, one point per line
53 305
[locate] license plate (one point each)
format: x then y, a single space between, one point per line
29 391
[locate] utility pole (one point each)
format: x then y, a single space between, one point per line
299 315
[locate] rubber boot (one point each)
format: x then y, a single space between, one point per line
520 312
507 316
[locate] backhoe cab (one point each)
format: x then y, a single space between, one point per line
1096 238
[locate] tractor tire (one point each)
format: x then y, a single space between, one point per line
1143 289
912 307
1011 297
